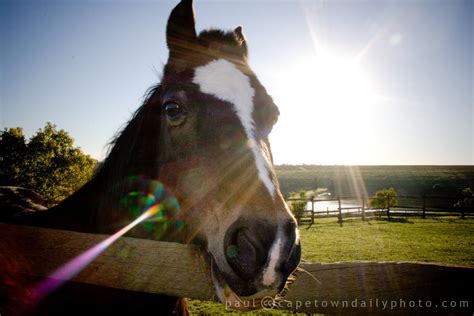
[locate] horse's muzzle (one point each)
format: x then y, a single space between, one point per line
261 256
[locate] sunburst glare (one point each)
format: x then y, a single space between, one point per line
337 98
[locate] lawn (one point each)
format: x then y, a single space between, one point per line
442 240
447 240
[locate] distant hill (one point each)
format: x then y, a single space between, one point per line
351 180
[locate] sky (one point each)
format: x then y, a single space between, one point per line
357 82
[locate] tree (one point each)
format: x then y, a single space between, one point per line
384 199
12 151
48 164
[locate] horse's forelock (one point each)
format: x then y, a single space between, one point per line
225 43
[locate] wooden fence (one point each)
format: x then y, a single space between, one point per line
421 206
181 270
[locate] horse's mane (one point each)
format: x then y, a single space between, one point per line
146 99
126 153
135 151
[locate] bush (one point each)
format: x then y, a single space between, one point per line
298 207
467 200
384 199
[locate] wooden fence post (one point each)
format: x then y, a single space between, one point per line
312 210
380 210
424 206
363 208
339 216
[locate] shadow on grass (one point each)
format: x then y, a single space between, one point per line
356 221
395 220
384 220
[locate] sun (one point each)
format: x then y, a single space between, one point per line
328 102
341 83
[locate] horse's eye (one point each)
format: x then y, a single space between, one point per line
175 113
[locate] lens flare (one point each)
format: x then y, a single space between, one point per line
76 265
157 210
144 193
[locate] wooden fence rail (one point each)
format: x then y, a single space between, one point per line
362 209
181 270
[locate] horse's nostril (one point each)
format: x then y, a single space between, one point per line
244 254
256 249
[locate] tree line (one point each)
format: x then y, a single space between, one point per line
47 163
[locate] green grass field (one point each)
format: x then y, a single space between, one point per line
447 240
441 240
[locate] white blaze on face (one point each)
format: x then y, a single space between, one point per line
269 272
223 80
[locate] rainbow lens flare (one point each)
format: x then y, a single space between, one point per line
157 208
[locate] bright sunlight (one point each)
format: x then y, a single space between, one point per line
331 100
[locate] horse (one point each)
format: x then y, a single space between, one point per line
198 147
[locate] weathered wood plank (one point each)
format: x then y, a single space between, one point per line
180 270
132 264
382 283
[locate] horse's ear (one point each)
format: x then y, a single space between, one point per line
240 37
180 31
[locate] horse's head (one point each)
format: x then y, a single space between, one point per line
215 118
